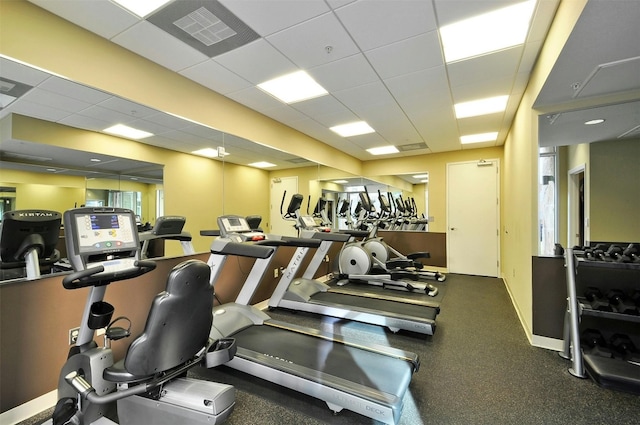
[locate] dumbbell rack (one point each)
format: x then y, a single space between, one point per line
615 373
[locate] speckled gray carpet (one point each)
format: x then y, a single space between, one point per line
478 368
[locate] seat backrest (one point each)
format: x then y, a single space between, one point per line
178 323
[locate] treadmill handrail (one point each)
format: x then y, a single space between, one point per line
226 247
290 241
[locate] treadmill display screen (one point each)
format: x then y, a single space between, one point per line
105 232
235 224
307 221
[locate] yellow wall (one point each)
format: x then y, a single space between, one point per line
614 187
519 177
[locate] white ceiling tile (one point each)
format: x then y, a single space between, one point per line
22 73
363 96
406 56
108 115
256 62
373 23
481 124
151 42
499 86
335 4
216 77
255 98
74 90
84 122
149 126
307 44
168 120
345 73
38 110
267 17
54 100
486 67
285 114
371 140
322 105
418 89
102 17
127 107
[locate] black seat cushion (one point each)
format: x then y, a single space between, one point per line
178 324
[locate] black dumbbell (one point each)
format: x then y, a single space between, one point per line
593 341
597 301
614 252
629 254
622 304
623 345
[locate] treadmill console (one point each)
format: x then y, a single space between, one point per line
308 223
105 237
237 229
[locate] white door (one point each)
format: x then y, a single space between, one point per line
473 217
278 225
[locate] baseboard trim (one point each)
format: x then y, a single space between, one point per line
527 331
29 409
548 343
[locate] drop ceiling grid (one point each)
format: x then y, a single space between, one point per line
151 42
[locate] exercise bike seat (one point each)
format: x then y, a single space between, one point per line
177 327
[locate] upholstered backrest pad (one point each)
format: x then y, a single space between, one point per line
178 324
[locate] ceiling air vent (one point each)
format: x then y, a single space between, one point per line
207 26
11 90
412 147
298 160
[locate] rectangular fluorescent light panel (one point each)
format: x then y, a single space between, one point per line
486 106
128 132
262 164
489 32
294 87
383 150
340 181
479 138
352 129
141 8
421 176
211 152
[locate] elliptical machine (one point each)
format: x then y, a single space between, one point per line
148 386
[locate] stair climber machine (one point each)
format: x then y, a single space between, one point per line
310 295
149 385
167 228
368 379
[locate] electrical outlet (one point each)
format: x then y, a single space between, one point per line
326 258
73 335
275 272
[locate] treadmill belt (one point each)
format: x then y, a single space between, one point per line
388 374
381 305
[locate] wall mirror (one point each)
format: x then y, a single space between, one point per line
588 173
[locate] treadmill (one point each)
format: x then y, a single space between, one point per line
167 228
313 296
368 379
